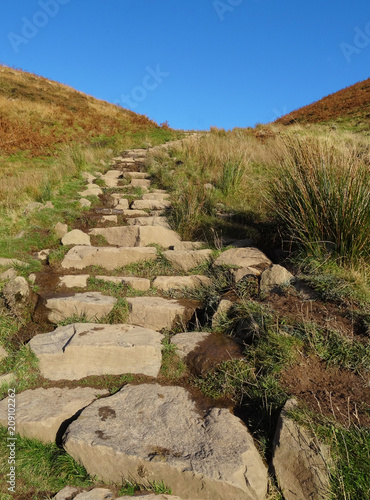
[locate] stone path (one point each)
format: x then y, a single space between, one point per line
146 432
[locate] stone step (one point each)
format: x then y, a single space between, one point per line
91 190
71 493
109 258
137 236
167 283
150 204
187 259
80 350
141 284
248 259
135 213
152 432
40 413
136 175
92 305
143 183
149 221
159 313
76 237
74 280
156 196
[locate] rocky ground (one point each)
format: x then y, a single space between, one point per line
150 429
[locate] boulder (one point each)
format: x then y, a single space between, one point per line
141 284
61 229
273 277
151 432
40 413
109 258
76 237
299 460
74 281
92 305
85 203
150 204
166 283
158 313
187 259
149 221
249 257
18 295
187 342
79 350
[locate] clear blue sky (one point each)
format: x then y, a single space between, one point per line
195 63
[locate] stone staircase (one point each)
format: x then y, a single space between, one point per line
145 432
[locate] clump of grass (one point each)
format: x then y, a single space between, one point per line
172 366
231 178
321 196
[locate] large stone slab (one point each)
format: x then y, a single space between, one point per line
79 350
109 258
41 412
299 460
136 175
91 190
158 313
166 283
74 280
249 257
152 432
187 342
149 221
187 259
76 237
150 204
156 196
137 236
141 284
93 305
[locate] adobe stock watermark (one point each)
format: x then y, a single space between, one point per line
360 42
224 6
151 81
31 27
11 442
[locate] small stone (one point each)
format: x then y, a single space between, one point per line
243 272
222 310
91 191
85 203
17 294
48 204
43 255
273 277
89 177
187 342
32 278
31 207
76 237
9 274
67 493
61 229
209 186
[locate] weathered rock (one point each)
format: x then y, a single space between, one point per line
152 432
150 204
11 262
67 493
187 245
9 274
74 280
91 190
298 460
166 283
143 183
3 353
187 342
82 349
187 259
31 207
118 199
156 196
96 494
32 278
142 284
243 272
158 313
92 305
244 257
149 221
18 295
43 255
109 218
137 236
41 412
109 258
7 378
223 308
85 203
89 177
136 175
154 497
274 276
61 229
135 213
76 237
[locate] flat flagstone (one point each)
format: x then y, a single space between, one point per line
142 284
150 204
159 313
152 432
156 196
135 213
137 236
74 280
149 221
249 257
187 259
136 175
41 412
166 283
109 258
80 350
76 237
92 305
143 183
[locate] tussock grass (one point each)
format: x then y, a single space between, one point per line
321 196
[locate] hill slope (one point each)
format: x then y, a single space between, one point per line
37 115
350 107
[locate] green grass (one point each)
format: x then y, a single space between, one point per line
172 367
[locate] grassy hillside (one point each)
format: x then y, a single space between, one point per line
349 108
